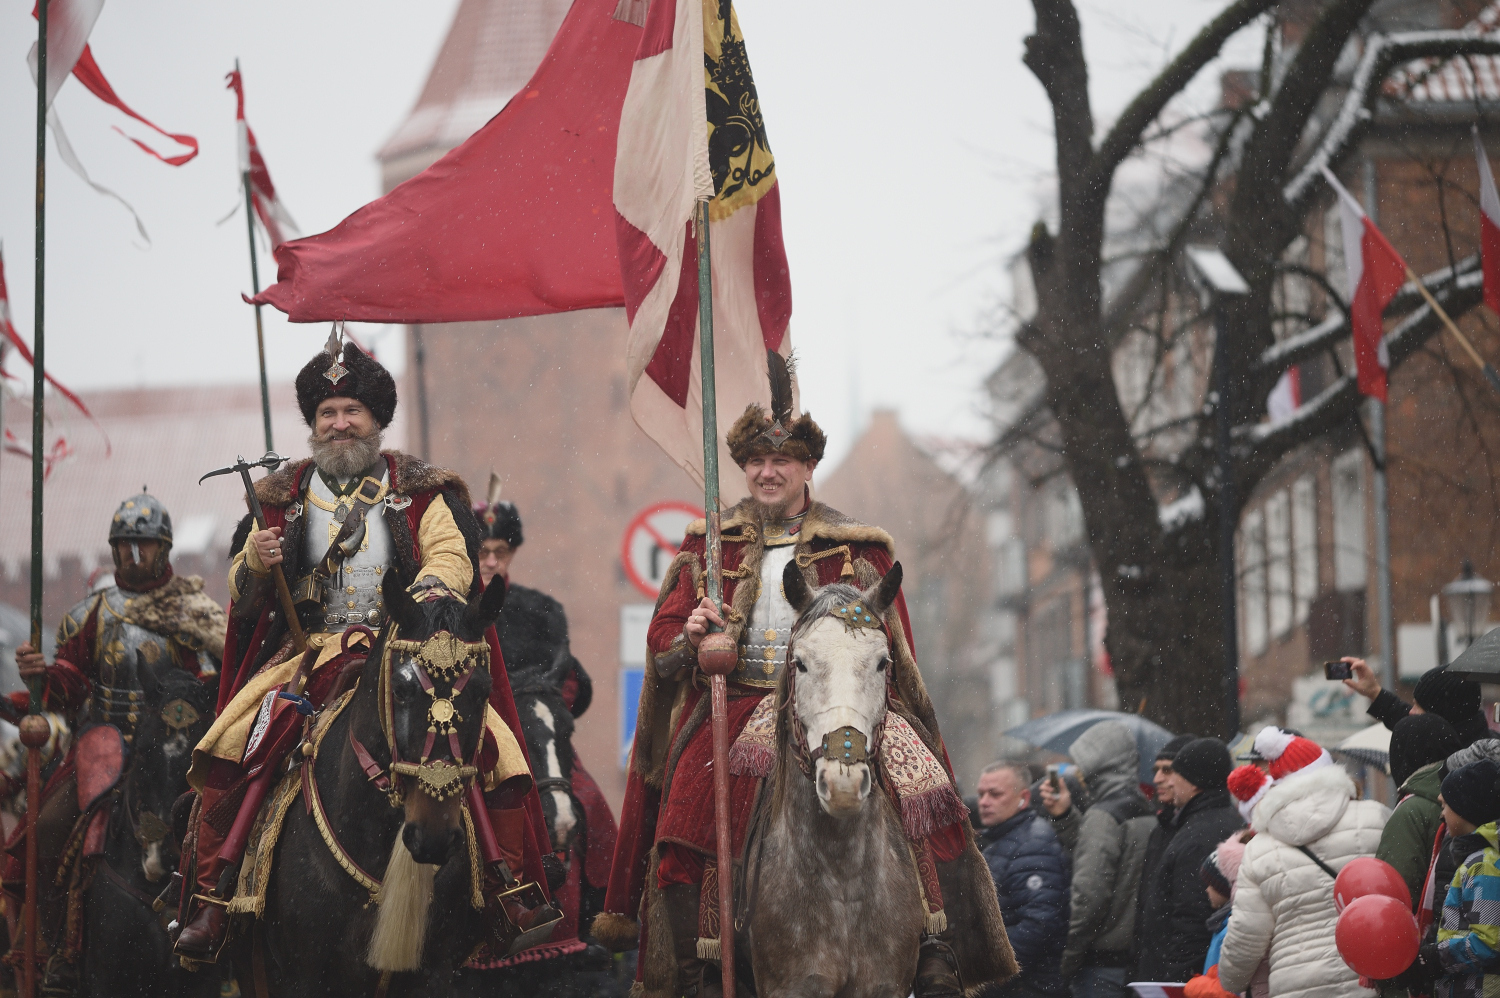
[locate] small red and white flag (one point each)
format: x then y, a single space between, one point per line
273 215
69 23
1286 398
1489 226
8 331
691 130
1375 273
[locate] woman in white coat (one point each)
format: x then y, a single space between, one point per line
1308 826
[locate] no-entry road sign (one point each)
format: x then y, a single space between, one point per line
652 540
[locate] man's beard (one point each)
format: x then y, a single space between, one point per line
771 512
347 457
133 573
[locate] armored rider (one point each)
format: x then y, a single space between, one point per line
667 845
337 524
113 647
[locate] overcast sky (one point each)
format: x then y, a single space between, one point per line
912 147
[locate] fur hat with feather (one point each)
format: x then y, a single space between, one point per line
757 433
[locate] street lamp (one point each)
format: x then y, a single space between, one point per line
1468 598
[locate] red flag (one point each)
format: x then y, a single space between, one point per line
8 330
1489 226
1375 273
691 130
273 215
515 221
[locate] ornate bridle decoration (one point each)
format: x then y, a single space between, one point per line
452 661
846 745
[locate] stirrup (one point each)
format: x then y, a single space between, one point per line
197 904
507 937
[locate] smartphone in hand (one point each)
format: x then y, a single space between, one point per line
1054 779
1338 670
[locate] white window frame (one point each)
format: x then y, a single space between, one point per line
1347 480
1278 512
1253 582
1304 546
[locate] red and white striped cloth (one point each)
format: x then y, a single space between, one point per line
1286 397
1489 226
691 131
1375 273
274 217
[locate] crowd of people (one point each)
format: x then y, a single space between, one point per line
1221 875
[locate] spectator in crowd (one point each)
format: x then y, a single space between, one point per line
1071 800
1171 931
1219 873
1107 860
1166 811
1031 879
1464 959
1308 826
1439 692
1420 746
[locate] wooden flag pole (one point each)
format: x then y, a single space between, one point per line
717 653
260 335
1463 341
34 727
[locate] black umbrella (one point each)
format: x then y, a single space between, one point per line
1481 660
1057 732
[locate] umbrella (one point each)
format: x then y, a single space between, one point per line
1481 660
1057 732
1371 746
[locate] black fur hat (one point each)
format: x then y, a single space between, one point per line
499 520
357 376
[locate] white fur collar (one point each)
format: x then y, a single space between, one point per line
1304 806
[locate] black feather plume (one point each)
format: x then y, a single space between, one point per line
780 375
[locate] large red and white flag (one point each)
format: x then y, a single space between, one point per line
8 331
691 130
273 215
69 23
1489 226
1375 273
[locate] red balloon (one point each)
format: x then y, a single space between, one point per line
1368 875
1377 936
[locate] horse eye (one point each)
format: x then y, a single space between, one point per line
880 666
798 663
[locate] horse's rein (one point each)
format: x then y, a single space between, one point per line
856 747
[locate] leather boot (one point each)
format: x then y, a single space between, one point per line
696 977
59 978
203 930
508 826
937 969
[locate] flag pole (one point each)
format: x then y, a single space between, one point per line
34 727
1463 341
260 335
717 654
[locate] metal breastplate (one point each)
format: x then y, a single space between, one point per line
128 657
352 594
763 643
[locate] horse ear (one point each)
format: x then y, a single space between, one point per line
795 586
399 604
483 612
879 597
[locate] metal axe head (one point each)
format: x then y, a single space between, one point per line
271 461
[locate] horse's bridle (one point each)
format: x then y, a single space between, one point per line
847 745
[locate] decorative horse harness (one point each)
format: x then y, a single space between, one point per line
847 744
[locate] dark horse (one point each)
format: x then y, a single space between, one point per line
315 937
127 951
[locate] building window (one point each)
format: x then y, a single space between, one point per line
1348 472
1304 547
1279 563
1253 581
1064 517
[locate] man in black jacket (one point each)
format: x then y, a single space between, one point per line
1031 878
1171 937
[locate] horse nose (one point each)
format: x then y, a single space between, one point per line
429 845
842 789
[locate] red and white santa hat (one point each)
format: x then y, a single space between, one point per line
1288 753
1248 784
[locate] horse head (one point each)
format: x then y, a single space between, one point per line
840 667
547 725
179 711
433 687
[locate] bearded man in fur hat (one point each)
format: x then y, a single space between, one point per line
667 846
417 521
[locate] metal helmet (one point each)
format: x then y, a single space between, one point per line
141 518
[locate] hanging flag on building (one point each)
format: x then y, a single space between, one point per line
1489 226
1286 397
691 130
274 217
8 331
69 23
1375 273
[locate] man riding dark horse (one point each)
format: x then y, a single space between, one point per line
337 524
112 649
665 861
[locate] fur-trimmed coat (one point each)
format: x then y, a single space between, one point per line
831 547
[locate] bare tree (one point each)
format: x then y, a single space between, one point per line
1254 196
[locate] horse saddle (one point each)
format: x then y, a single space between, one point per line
99 755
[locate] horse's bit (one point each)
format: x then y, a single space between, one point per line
455 662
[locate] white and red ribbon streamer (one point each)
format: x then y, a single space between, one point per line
274 217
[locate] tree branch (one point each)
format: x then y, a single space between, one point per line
1054 54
